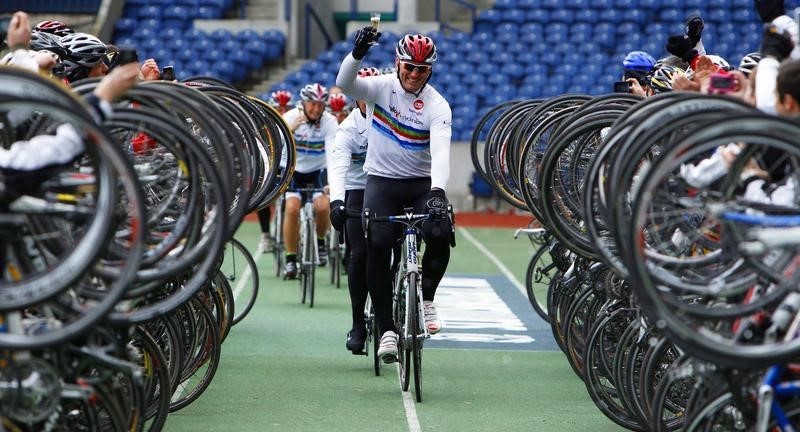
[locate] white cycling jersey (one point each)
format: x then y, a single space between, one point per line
409 134
347 156
311 141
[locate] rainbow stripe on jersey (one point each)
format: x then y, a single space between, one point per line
406 136
310 147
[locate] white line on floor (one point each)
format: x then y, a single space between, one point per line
494 259
410 407
246 276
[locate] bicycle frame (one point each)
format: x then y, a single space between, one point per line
769 395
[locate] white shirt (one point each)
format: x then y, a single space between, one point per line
347 156
312 141
410 134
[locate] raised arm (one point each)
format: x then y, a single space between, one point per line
347 78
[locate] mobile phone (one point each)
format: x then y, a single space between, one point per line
168 73
622 87
721 83
127 55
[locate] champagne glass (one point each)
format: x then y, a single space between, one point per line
375 21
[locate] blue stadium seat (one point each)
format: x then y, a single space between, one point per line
601 4
194 33
215 55
313 67
604 39
220 35
744 15
637 16
532 39
467 99
550 58
462 68
671 15
718 16
241 58
579 88
496 79
672 4
526 58
536 68
531 27
475 57
505 4
529 91
472 78
161 54
481 90
150 44
126 41
528 4
552 4
562 15
477 37
204 44
153 24
538 16
516 48
627 29
578 5
515 70
551 90
611 15
150 12
652 5
177 17
587 16
506 27
556 32
514 15
589 47
126 25
537 79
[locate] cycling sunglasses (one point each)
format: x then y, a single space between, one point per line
412 67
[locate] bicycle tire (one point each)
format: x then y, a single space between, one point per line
415 331
243 306
534 275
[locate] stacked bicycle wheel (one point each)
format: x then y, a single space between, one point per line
117 266
671 228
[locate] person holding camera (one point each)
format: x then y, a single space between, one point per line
407 164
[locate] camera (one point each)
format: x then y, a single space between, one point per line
722 83
622 87
168 73
127 55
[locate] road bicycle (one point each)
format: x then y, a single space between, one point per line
308 252
407 310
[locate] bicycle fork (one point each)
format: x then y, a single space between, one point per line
412 268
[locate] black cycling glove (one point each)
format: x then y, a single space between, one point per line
437 204
694 28
364 39
681 45
338 215
768 10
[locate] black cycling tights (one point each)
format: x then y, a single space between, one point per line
384 197
357 261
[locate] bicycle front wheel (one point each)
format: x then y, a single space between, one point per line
416 335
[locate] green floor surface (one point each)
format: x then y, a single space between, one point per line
284 368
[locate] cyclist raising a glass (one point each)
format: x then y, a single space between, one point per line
408 165
313 131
